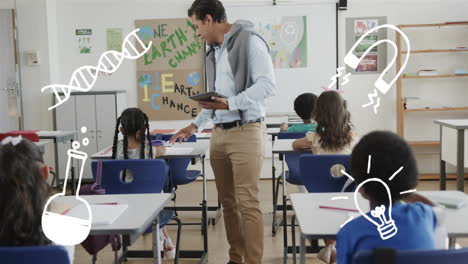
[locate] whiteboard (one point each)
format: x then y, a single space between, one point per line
102 14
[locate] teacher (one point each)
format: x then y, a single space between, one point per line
238 65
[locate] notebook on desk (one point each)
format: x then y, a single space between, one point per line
102 214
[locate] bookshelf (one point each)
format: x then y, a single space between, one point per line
404 82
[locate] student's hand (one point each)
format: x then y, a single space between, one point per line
301 144
184 133
283 127
218 103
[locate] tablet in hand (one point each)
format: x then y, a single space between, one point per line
206 96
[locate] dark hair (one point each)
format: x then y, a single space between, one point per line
333 121
23 194
388 153
201 8
133 120
304 105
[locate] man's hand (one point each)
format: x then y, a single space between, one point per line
217 103
184 133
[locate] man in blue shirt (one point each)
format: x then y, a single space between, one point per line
238 66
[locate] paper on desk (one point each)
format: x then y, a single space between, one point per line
178 151
102 214
44 132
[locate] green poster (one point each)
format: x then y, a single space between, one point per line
114 39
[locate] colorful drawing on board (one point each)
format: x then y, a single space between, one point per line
84 39
287 38
366 43
171 70
361 26
193 78
368 64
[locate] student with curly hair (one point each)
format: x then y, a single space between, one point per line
23 194
334 135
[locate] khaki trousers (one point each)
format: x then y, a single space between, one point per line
236 156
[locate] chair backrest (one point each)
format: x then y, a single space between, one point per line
166 137
292 159
452 256
177 166
291 135
316 172
149 175
50 254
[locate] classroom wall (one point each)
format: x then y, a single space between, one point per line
434 92
7 4
48 26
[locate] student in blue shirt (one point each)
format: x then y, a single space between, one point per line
303 105
414 220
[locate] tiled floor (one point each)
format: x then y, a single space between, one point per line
218 246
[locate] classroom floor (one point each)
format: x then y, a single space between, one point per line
218 247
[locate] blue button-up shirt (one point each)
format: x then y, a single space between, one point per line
252 100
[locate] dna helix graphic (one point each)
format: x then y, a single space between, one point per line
84 77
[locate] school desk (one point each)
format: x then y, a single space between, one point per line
315 222
142 212
453 145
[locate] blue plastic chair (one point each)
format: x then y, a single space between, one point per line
452 256
179 175
149 176
49 254
291 175
315 173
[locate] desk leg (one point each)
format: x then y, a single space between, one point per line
273 180
204 210
156 238
452 243
461 160
57 169
443 175
302 250
285 204
293 237
72 168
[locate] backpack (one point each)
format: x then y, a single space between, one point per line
95 243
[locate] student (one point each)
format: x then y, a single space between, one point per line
415 221
303 105
23 194
334 135
136 144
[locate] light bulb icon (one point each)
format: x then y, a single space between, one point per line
381 215
65 229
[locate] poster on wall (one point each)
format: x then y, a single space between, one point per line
84 38
376 60
287 38
171 71
114 37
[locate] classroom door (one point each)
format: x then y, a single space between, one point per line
9 76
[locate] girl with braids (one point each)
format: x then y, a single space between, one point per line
23 194
136 144
334 135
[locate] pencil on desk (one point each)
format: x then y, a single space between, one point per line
337 208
